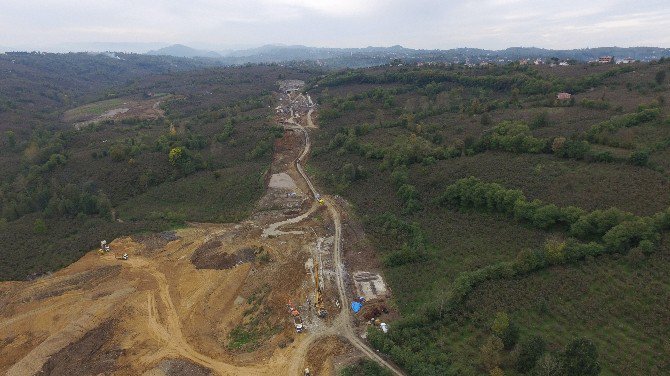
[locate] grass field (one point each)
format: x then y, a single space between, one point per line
93 109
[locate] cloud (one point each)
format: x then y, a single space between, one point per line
414 23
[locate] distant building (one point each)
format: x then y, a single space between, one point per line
563 63
627 60
606 59
538 62
563 96
523 62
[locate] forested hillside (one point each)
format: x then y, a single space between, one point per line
521 233
64 188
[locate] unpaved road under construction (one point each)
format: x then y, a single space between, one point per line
206 299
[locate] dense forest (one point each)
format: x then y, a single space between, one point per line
521 233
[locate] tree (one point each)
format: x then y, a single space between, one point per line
580 358
39 226
660 77
175 156
530 350
500 323
540 120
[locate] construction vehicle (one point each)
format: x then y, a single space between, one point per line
307 372
297 320
124 257
104 247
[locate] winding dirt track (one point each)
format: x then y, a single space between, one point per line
343 323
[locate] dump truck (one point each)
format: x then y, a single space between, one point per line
297 320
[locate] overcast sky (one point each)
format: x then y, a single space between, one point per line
221 24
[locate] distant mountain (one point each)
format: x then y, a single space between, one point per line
279 53
179 50
372 56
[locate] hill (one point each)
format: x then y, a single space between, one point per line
373 56
179 50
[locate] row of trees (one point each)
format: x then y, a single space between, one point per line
619 230
642 115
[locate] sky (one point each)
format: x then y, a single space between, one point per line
58 25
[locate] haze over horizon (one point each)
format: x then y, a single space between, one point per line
138 26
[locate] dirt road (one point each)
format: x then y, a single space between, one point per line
342 325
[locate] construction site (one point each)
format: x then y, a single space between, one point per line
289 291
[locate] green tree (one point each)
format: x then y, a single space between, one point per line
580 358
39 227
540 120
176 155
500 323
660 77
530 350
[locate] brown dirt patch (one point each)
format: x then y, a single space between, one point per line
91 355
320 356
180 367
208 256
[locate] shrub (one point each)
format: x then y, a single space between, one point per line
530 351
39 227
572 149
514 137
629 234
639 157
598 222
540 120
580 358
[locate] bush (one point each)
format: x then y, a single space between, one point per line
513 137
595 224
572 149
530 351
639 157
540 120
580 358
